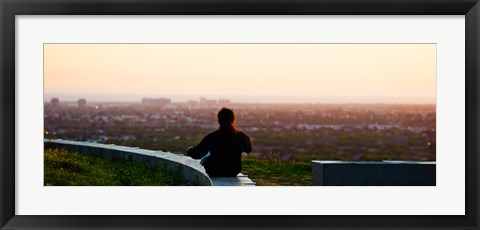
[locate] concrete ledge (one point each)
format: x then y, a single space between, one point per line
383 173
190 169
240 180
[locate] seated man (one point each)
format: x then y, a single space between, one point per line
225 145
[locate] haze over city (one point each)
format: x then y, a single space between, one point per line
265 73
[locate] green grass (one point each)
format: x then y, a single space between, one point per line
63 168
276 172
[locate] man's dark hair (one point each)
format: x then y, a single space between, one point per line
226 117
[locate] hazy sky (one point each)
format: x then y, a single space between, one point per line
391 73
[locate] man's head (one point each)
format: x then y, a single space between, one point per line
226 117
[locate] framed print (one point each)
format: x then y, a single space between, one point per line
349 114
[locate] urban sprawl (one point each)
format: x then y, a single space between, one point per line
290 132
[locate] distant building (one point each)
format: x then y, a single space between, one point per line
211 102
82 103
156 101
191 103
55 102
207 102
224 102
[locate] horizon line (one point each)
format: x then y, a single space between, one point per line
255 99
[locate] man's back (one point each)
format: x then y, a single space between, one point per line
225 149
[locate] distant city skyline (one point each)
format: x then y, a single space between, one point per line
239 99
264 73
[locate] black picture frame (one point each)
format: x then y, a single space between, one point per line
10 8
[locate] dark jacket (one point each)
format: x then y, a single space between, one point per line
225 149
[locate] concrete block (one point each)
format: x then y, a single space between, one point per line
239 180
383 173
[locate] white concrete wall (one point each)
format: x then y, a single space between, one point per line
190 169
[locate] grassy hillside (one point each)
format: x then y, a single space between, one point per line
72 169
276 172
63 168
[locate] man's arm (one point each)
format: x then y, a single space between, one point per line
248 145
199 150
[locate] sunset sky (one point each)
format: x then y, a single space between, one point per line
323 73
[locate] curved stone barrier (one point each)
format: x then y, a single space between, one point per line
190 169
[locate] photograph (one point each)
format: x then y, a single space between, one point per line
239 114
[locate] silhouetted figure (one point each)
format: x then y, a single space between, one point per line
225 145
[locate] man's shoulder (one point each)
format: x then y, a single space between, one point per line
242 134
213 134
211 137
